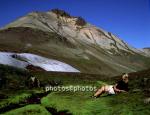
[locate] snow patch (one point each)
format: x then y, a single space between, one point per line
22 60
7 59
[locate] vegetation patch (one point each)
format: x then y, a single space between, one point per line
33 109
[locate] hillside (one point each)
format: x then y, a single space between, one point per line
58 35
17 98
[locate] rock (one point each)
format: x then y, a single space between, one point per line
136 90
147 100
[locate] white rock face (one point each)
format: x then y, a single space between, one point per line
22 60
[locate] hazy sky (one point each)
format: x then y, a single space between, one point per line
128 19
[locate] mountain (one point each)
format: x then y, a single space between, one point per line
57 35
147 51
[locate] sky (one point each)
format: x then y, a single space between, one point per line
127 19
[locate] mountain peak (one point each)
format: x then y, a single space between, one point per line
61 13
79 20
147 48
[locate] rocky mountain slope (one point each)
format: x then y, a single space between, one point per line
58 35
147 51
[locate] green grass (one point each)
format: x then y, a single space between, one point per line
77 103
34 109
15 99
80 103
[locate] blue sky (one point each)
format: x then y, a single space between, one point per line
128 19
